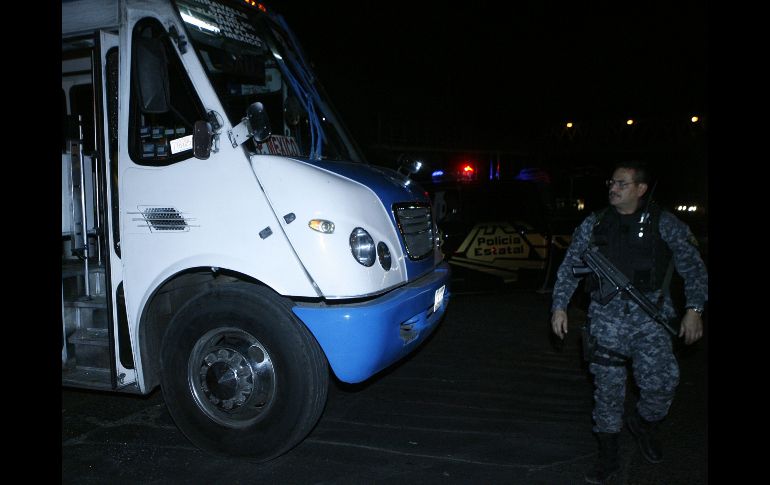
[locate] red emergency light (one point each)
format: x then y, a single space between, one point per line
467 171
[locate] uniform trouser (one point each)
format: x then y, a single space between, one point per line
654 368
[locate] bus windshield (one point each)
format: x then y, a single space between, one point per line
250 56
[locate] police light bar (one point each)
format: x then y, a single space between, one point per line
467 171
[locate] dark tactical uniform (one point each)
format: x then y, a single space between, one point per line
622 326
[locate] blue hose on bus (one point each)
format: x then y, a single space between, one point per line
304 89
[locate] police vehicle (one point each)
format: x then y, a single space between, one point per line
507 228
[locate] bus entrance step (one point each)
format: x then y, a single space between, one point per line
73 284
92 347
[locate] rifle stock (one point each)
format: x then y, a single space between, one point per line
598 263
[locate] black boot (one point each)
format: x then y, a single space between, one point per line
608 464
644 432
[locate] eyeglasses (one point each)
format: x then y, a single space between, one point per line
621 184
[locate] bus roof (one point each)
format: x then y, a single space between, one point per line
85 16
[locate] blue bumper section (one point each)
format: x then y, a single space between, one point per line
361 339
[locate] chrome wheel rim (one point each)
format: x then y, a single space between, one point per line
231 376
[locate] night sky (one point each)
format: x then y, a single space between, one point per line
500 72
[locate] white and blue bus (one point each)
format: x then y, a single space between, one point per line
222 236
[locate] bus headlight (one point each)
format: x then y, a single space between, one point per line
383 253
362 247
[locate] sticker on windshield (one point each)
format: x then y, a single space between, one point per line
279 145
181 144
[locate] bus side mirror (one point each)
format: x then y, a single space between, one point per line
202 136
408 165
259 122
150 72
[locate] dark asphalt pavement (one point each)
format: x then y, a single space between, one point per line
488 399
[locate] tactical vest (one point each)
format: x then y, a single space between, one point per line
634 247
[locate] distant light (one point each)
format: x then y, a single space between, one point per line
629 121
468 169
687 208
581 204
694 119
438 173
569 124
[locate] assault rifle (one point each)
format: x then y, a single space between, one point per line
612 280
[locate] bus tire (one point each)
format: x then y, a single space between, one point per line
240 374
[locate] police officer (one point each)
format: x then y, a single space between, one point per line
645 243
